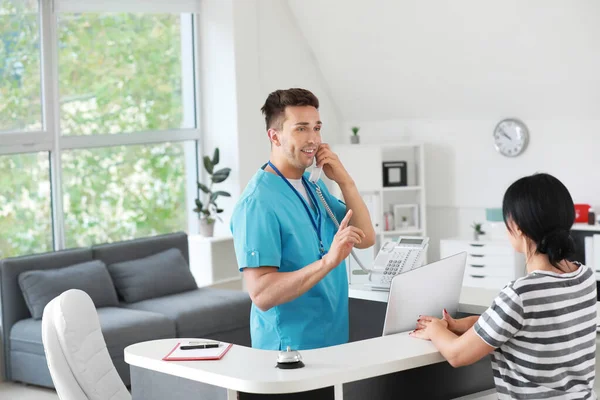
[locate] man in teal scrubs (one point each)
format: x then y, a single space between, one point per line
288 248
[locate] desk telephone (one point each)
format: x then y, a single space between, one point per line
395 257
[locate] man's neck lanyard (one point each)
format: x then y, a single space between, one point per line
316 224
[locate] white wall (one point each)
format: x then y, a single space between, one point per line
446 72
219 119
444 75
249 49
467 59
271 54
465 174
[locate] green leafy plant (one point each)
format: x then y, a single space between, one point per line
209 210
477 228
355 130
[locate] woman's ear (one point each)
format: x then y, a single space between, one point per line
274 137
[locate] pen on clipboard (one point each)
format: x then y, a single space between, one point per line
193 346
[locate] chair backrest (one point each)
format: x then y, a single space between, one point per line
78 359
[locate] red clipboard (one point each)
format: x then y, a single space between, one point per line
197 355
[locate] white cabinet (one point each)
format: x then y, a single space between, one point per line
213 262
490 264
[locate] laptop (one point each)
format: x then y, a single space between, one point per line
424 291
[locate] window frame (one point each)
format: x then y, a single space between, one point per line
50 139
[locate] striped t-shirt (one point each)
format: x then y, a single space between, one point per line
543 327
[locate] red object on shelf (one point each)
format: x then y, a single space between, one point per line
581 212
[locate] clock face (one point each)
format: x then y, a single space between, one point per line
511 137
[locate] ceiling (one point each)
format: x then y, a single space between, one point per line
463 59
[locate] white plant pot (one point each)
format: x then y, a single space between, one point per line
207 229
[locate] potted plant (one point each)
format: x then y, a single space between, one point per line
208 211
477 230
404 221
355 139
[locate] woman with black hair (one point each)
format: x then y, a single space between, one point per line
541 328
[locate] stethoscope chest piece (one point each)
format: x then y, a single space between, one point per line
289 359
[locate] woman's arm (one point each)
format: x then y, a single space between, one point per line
461 325
458 350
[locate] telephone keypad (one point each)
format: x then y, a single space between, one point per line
394 259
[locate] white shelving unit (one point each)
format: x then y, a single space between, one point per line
365 165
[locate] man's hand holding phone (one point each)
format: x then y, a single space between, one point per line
331 164
343 241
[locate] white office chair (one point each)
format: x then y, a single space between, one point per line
76 352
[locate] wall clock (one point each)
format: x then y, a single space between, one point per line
511 137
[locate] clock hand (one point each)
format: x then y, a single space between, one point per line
504 134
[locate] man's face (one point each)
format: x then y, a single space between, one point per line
300 136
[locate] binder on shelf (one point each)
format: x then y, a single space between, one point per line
197 354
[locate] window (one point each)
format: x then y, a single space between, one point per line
124 192
121 73
20 90
98 124
25 220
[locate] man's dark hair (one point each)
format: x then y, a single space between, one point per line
277 101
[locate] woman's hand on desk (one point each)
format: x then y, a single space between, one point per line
427 325
456 326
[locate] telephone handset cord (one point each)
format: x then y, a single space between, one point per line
337 225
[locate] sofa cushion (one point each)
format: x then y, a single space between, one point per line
202 312
41 286
157 275
120 327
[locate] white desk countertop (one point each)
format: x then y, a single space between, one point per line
253 371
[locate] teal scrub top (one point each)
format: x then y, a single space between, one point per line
271 228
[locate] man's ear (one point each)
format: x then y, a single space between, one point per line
274 137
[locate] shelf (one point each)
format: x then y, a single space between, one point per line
585 227
214 239
401 189
405 205
401 232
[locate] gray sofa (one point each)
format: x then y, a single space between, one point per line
199 312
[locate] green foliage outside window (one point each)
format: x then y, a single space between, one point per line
118 73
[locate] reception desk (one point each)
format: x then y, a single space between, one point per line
388 367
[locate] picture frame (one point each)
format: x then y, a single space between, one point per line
394 173
411 213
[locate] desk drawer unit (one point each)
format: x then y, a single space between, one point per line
489 264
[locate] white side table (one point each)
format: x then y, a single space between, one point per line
213 262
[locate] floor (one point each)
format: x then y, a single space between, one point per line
14 391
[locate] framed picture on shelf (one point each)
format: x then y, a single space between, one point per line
406 216
394 173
